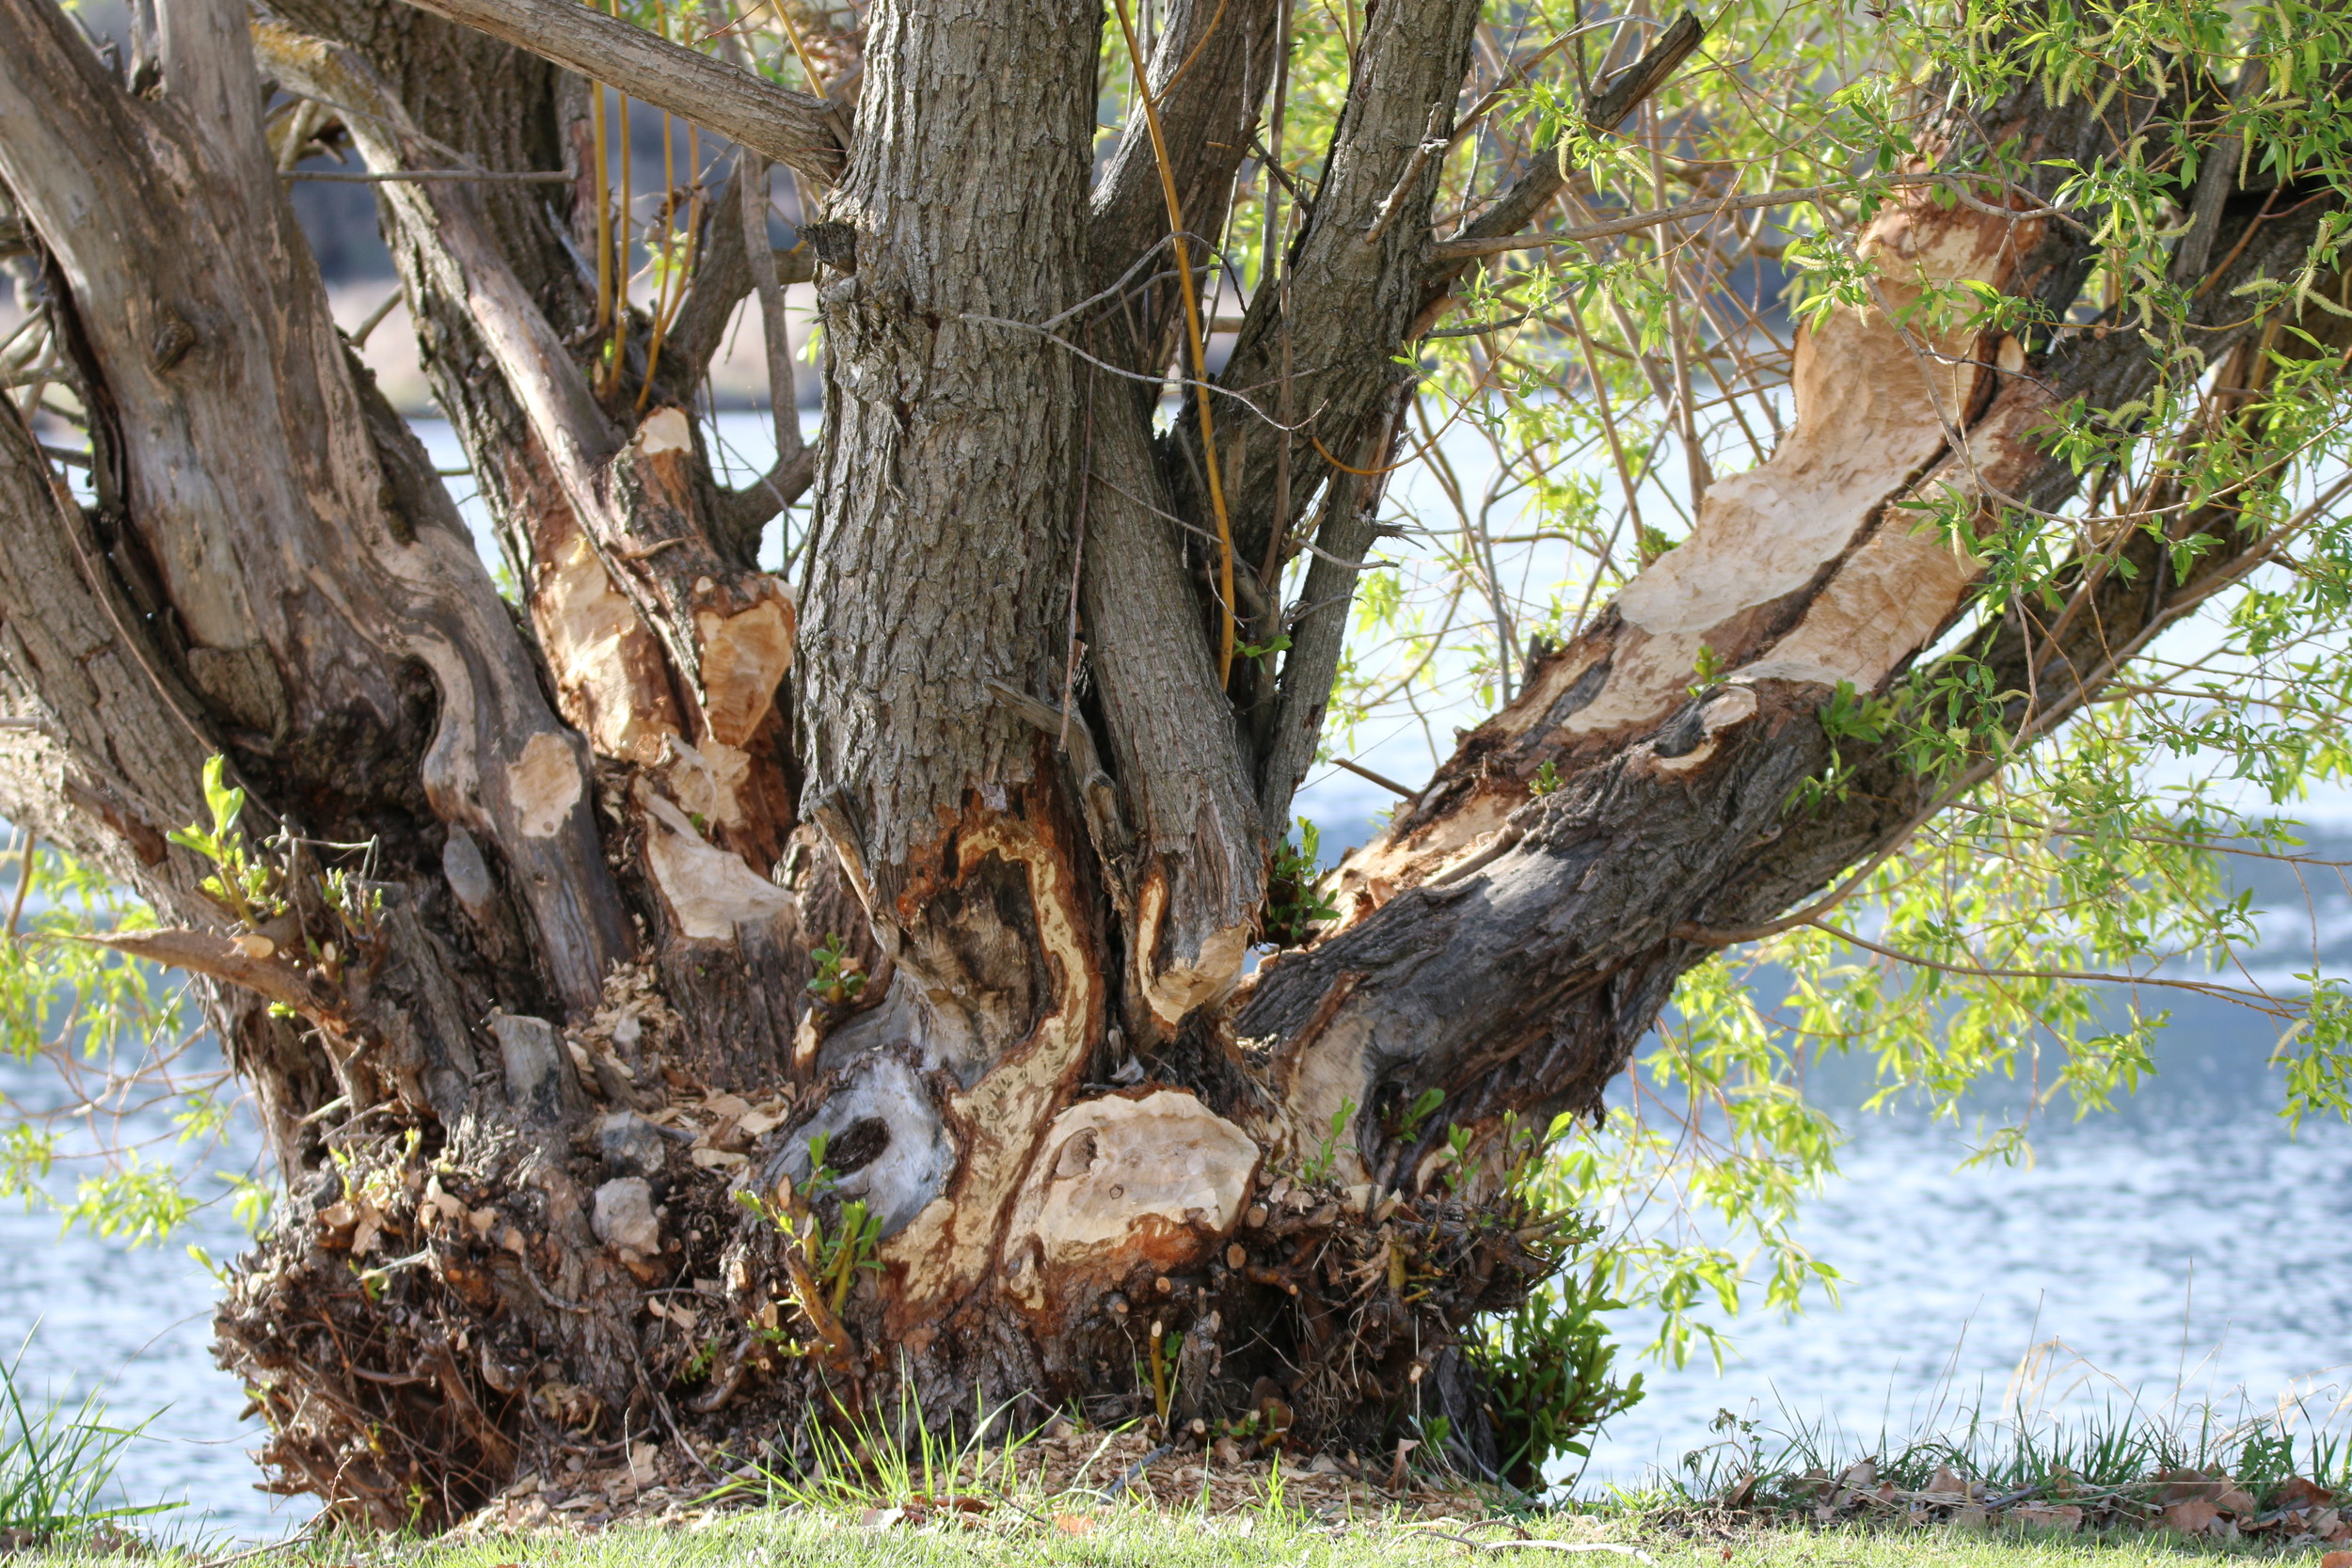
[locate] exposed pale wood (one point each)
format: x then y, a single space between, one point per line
669 651
1525 901
243 500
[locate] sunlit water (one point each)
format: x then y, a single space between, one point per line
2189 1257
2186 1248
2182 1254
133 1324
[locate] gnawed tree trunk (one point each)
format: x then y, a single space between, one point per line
543 1088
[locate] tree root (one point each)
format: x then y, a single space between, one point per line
424 1323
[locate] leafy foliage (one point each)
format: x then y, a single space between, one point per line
2019 950
115 1037
840 976
1294 901
241 884
1548 1372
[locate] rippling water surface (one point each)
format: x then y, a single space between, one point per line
133 1323
2182 1258
2185 1250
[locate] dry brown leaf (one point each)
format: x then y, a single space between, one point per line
1948 1482
446 1206
642 1458
2336 1560
2069 1518
1074 1524
2190 1516
2298 1493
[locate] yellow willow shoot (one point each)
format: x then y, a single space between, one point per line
1194 340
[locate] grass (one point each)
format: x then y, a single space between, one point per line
1753 1497
56 1466
1143 1538
2113 1450
2121 1462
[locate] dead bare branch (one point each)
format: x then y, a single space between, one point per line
792 128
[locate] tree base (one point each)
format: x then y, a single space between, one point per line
423 1326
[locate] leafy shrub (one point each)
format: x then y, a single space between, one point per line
1547 1372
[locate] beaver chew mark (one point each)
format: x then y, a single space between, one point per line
860 1144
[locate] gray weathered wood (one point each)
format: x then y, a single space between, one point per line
793 128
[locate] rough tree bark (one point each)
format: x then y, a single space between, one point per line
544 1090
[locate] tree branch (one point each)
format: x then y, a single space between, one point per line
1351 303
742 514
1220 57
1677 807
303 586
1544 177
1350 512
792 128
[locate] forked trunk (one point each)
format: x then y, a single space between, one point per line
752 1000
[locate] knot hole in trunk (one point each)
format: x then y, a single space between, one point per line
860 1144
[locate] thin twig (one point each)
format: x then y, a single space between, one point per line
1077 566
1194 340
1137 375
1573 1547
1455 250
1381 779
373 320
23 881
2233 993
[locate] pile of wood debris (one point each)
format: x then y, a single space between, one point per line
2295 1513
1066 1477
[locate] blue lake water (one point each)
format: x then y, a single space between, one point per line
133 1324
2190 1255
2183 1254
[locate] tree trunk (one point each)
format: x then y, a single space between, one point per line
678 870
